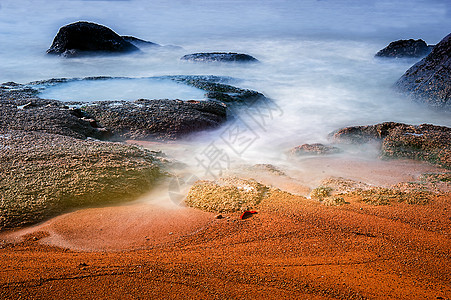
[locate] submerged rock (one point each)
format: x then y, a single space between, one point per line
405 48
85 37
423 142
429 81
44 174
220 56
314 149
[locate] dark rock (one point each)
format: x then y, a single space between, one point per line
42 175
405 48
85 37
428 81
35 114
139 42
220 91
220 56
314 149
423 142
21 109
363 134
157 119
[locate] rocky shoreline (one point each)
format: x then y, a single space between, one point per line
53 159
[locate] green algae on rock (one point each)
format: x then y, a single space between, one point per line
42 175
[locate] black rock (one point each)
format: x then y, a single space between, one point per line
405 48
85 37
428 81
220 56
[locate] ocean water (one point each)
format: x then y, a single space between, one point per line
317 59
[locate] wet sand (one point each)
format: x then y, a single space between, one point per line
292 248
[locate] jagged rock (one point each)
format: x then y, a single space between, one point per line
423 142
85 37
220 56
405 48
313 149
43 174
428 81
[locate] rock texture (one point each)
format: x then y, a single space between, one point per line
44 174
428 81
405 48
157 119
165 119
423 142
226 194
85 37
313 149
21 109
220 56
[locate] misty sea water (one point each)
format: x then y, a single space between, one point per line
316 56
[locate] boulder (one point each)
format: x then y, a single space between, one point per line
421 142
219 56
405 48
85 37
42 175
429 81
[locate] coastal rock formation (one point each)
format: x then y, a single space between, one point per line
165 119
220 56
85 37
226 195
218 90
44 174
313 149
157 119
405 48
429 81
422 142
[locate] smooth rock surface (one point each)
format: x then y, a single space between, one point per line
86 37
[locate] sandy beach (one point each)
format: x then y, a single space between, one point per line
293 247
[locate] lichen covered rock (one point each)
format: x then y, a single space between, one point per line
226 195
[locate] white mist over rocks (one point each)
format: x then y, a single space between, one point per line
317 57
